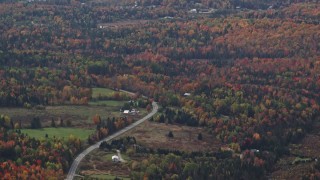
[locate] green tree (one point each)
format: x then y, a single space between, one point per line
153 172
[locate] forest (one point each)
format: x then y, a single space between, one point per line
248 73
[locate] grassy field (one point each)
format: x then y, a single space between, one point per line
107 103
107 177
58 132
96 92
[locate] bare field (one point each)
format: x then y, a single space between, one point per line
154 135
121 24
284 169
308 148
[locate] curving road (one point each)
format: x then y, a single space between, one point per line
79 158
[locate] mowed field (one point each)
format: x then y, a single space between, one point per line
96 92
58 132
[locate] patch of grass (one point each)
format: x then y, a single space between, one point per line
58 132
107 157
107 103
96 92
301 160
107 176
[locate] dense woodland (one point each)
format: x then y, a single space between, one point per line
253 74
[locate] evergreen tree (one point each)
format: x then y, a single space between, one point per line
53 124
170 135
61 122
35 123
199 136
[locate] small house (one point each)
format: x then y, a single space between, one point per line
193 11
254 150
134 112
224 149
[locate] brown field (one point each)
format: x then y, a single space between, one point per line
284 169
153 135
121 24
99 162
309 147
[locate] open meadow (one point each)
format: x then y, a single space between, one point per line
63 133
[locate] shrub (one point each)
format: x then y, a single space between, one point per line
170 135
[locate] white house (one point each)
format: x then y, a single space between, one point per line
126 111
193 11
115 158
254 150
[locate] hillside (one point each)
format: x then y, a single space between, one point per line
247 73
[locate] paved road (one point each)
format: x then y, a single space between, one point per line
79 158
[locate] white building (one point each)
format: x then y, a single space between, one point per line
115 158
193 11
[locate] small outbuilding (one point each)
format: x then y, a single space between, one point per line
193 11
115 158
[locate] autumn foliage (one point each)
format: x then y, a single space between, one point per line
251 77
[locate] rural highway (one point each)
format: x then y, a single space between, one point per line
79 158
